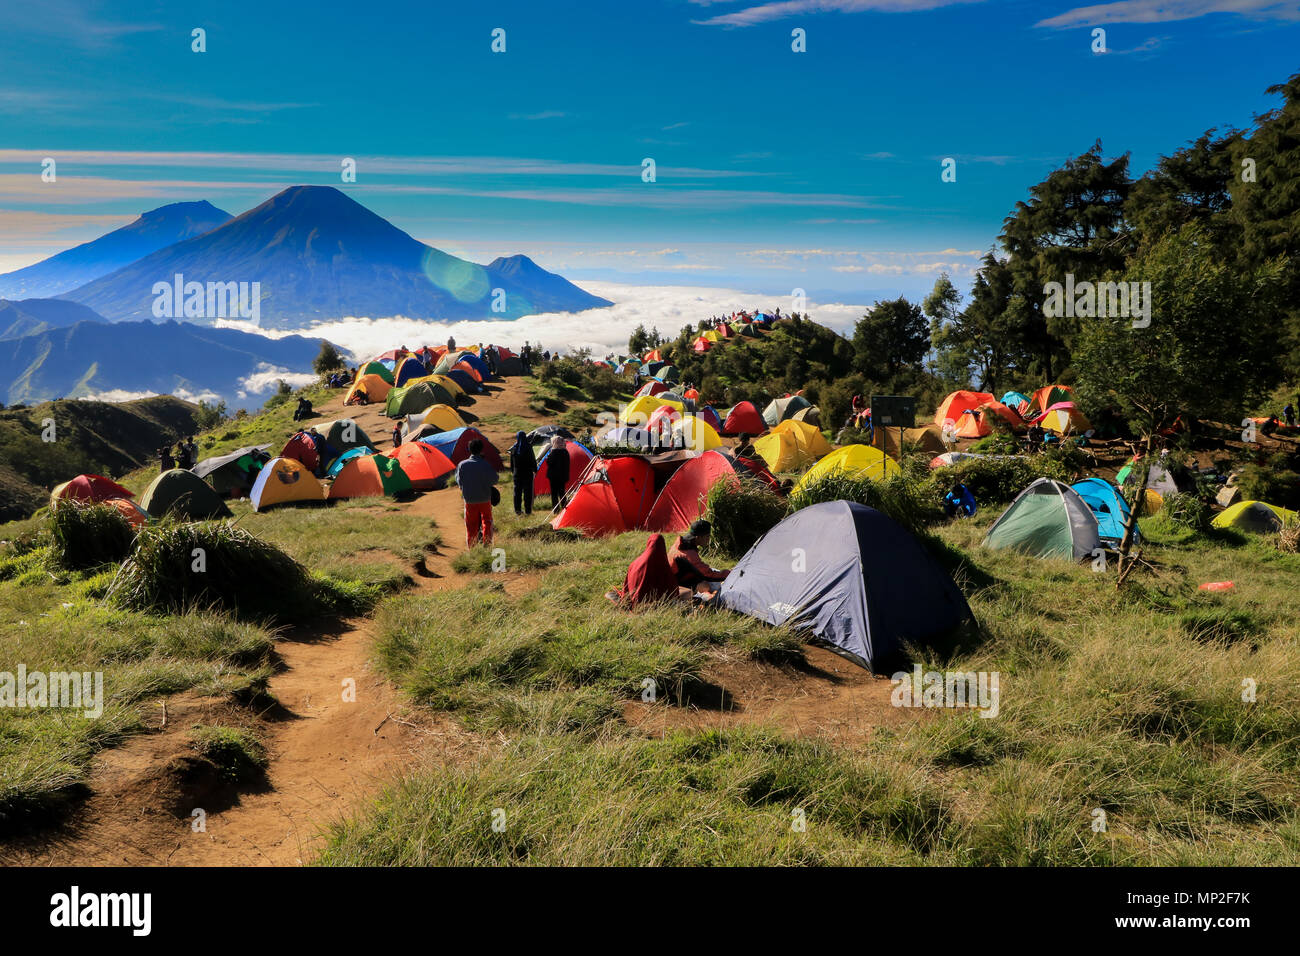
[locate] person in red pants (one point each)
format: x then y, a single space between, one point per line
476 478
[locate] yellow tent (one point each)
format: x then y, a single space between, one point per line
449 383
442 417
376 389
1258 517
1065 420
699 434
638 411
855 460
284 481
792 445
712 336
1152 501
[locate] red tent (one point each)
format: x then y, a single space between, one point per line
578 459
682 499
303 449
91 488
615 496
701 344
744 417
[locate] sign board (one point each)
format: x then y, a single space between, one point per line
893 411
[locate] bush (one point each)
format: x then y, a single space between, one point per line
237 754
179 567
999 480
911 503
86 536
1276 486
1186 511
282 394
740 515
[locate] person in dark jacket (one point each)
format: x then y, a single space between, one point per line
523 467
693 571
557 470
165 460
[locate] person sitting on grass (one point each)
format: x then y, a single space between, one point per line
691 570
649 578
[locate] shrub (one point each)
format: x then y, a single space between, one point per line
237 754
178 567
740 515
1276 486
911 503
999 480
86 536
1186 511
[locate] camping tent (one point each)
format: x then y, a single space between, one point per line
132 512
1018 402
376 367
1108 507
928 439
867 586
652 387
638 411
744 417
344 433
375 388
856 460
779 409
337 464
1159 478
284 481
951 408
182 493
453 387
812 415
1255 517
1047 519
416 398
691 431
441 418
465 382
625 436
370 476
978 422
613 496
302 447
682 499
792 445
579 456
234 471
455 445
1049 395
424 465
1063 418
89 488
407 369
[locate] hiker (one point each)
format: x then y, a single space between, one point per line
557 470
523 468
526 358
451 344
303 410
1289 414
745 446
959 500
477 481
191 452
165 460
692 571
649 578
397 435
359 397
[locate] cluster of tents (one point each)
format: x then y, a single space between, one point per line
177 492
970 414
410 381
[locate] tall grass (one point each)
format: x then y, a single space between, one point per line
86 536
741 514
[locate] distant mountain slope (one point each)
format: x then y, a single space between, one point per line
100 437
320 255
74 267
94 358
30 316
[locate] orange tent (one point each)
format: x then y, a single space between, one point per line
654 356
1049 395
981 424
958 402
423 464
465 366
130 510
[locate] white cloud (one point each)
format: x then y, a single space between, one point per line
1165 11
767 12
126 395
603 330
266 377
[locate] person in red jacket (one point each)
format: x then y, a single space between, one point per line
693 571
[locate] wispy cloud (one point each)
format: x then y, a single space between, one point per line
543 115
77 22
784 9
1166 11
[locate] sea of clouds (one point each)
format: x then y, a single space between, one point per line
606 330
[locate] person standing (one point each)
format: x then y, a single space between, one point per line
557 470
165 460
476 478
523 468
397 435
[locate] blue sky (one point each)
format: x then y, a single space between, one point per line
774 168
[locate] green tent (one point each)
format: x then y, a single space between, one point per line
1048 519
416 398
344 434
780 409
233 472
376 368
669 375
184 494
